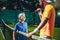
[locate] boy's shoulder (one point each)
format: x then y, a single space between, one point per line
25 22
17 23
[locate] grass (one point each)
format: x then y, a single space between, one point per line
1 37
57 33
31 28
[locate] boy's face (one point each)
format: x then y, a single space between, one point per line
22 18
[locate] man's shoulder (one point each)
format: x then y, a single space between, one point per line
49 6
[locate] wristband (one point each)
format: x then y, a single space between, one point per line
36 30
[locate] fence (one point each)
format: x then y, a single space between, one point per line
12 16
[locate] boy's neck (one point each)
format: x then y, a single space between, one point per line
22 21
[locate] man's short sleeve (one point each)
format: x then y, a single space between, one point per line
47 11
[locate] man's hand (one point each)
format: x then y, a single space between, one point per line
39 12
30 34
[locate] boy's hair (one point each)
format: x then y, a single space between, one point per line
21 15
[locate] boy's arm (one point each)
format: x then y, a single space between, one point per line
14 32
13 35
27 27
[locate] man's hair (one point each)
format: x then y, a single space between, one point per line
48 1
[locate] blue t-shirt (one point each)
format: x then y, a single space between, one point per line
23 28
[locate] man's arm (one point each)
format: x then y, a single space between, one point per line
13 35
42 23
39 26
40 15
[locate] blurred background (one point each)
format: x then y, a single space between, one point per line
9 10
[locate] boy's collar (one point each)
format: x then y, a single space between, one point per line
22 22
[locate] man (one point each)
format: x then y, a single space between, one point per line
20 26
46 26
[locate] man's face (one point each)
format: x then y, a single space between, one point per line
40 2
22 18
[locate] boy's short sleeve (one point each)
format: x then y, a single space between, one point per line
15 27
26 25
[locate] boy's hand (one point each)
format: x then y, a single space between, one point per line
30 34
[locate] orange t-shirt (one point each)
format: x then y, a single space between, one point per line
49 12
